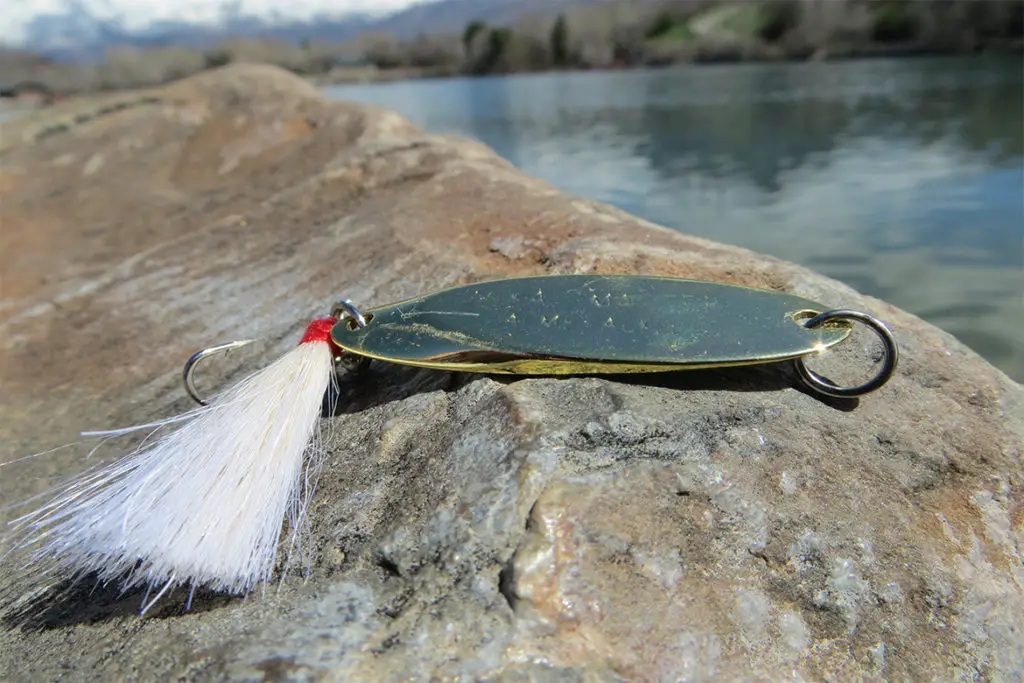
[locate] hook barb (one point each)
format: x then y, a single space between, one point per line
188 372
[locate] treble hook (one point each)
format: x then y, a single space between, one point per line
190 365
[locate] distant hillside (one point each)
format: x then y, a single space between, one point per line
474 37
452 16
73 37
76 35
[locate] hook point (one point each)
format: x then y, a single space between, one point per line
188 372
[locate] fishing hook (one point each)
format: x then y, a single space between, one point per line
190 365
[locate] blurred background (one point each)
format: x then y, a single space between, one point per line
880 142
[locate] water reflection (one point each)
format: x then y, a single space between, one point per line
904 179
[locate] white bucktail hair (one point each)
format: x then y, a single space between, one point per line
201 505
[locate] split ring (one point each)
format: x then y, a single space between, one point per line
891 356
346 309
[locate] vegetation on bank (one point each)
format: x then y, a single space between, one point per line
619 33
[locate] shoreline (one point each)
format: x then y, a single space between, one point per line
619 34
11 100
366 75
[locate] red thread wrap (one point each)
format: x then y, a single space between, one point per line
320 331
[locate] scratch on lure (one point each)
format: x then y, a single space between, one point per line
204 504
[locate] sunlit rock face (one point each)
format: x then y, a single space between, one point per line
695 526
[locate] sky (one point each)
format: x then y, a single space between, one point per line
137 14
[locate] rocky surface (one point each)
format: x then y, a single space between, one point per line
694 526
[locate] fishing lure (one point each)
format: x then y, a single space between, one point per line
204 504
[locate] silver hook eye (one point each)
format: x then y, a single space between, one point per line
188 372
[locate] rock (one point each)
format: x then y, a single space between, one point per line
693 526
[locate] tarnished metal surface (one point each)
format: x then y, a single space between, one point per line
565 324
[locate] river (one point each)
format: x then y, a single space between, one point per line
902 178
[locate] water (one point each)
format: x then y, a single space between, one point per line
902 178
